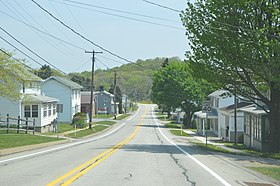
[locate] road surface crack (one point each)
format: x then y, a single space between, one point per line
129 177
184 170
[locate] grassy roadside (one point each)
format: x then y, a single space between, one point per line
122 116
273 172
87 132
178 133
253 152
18 140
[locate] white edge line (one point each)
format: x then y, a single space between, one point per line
193 158
70 145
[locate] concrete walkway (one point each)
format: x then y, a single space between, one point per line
211 140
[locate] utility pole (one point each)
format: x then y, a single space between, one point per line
235 119
91 85
115 95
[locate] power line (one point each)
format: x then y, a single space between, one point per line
125 17
82 65
74 31
102 63
31 50
172 9
21 51
21 16
120 11
54 37
15 58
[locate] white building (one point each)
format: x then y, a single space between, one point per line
67 92
31 104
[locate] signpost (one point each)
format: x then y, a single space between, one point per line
206 108
59 109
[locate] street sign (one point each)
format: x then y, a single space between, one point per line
206 107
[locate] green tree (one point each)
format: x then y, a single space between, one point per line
12 72
44 72
236 45
174 86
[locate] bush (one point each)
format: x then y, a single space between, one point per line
79 119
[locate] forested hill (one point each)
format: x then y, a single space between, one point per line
134 79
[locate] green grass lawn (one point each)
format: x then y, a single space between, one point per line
211 147
273 172
106 122
87 132
253 152
173 125
18 140
178 133
123 116
103 116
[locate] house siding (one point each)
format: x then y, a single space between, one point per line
70 98
11 107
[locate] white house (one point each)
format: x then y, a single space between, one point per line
67 92
219 99
31 104
227 121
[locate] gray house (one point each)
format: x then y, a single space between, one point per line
104 102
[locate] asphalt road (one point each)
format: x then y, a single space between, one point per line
138 151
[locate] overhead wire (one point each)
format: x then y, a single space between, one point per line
60 16
31 50
125 17
21 16
120 11
22 52
162 6
81 66
80 35
3 51
54 37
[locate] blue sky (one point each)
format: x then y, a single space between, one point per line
127 38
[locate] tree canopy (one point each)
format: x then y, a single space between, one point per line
134 79
12 74
236 44
174 87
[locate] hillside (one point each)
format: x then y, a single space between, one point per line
134 79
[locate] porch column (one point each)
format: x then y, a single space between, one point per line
203 127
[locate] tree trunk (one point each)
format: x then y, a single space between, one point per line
187 119
274 121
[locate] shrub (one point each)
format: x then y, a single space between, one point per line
79 119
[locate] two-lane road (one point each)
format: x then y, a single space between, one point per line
138 151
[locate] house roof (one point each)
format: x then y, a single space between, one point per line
212 114
66 82
218 93
254 110
85 96
104 92
239 106
39 98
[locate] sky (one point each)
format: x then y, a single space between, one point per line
130 29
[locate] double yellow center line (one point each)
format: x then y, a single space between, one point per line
79 171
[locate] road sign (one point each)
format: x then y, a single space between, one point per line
206 107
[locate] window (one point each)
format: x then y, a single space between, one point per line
54 109
27 110
267 130
45 110
35 111
247 124
49 109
